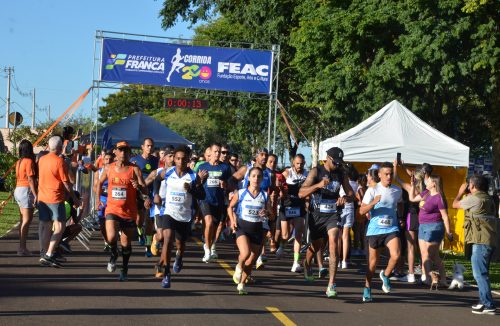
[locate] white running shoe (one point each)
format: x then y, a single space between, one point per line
344 265
296 268
237 274
213 254
410 278
259 264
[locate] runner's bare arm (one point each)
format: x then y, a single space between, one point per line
151 177
308 187
236 177
99 183
230 211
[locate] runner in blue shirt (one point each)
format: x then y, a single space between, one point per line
147 163
212 207
382 202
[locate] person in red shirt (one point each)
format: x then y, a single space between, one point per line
25 192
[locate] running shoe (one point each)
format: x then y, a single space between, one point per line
159 271
331 291
154 247
237 275
178 264
112 264
386 283
478 306
263 258
260 263
296 268
59 258
147 252
250 280
485 311
24 253
308 273
241 289
367 295
50 261
410 278
107 247
344 265
206 257
323 272
279 252
398 277
123 275
213 254
165 283
66 247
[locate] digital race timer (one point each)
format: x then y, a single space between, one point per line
185 103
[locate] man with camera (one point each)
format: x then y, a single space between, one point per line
480 226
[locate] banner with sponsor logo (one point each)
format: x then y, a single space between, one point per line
163 64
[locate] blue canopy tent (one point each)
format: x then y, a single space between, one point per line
135 128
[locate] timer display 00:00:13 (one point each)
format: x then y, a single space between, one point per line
184 103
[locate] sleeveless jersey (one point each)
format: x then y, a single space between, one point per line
249 207
324 200
293 206
179 204
122 196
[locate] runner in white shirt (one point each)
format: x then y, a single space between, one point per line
182 187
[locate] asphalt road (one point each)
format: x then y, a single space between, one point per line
84 293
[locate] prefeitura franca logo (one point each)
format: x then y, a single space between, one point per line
115 60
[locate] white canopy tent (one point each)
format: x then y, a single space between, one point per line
395 129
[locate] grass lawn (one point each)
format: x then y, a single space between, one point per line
494 270
10 214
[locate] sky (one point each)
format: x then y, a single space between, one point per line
50 44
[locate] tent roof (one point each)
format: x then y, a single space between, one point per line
395 129
138 126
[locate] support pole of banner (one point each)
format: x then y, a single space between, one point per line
269 121
276 49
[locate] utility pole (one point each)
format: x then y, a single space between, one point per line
33 112
9 71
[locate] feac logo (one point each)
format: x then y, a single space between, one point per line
115 60
191 71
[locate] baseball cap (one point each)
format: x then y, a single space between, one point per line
336 154
122 144
374 167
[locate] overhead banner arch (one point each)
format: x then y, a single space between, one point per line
177 65
196 67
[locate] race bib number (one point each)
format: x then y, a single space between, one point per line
176 198
213 182
328 206
384 222
292 211
251 212
119 193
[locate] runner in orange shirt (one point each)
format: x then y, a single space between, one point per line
124 179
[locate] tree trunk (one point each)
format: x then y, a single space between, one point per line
315 147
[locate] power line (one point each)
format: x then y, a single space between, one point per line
18 89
